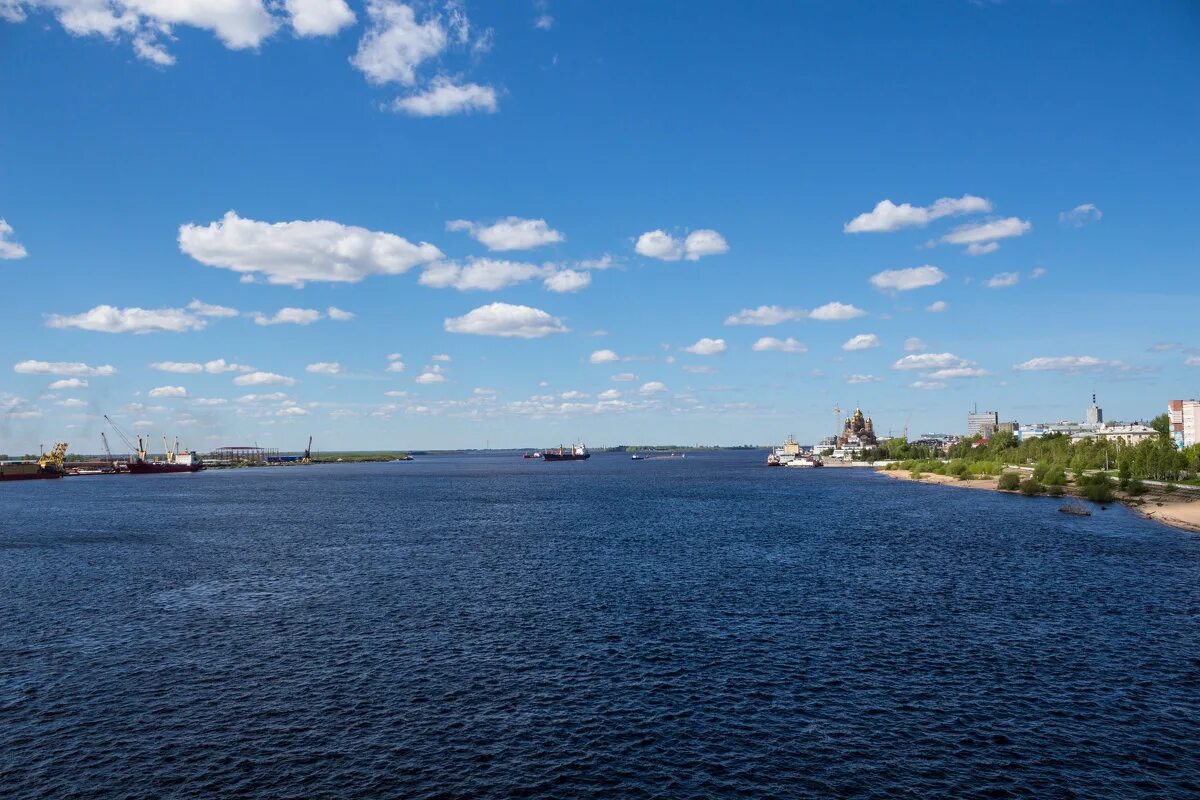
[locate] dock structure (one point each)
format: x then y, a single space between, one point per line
242 455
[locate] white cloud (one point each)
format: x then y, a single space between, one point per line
291 411
318 17
1003 280
208 310
504 319
931 361
937 306
833 312
263 379
605 261
325 368
441 357
239 24
765 315
510 233
624 377
981 237
567 280
292 253
887 216
706 347
1192 361
603 357
446 98
903 280
395 44
395 364
288 316
1068 364
1036 273
609 394
396 393
434 374
662 245
62 368
480 274
544 22
927 385
214 367
958 372
862 379
72 402
168 391
653 387
699 370
9 249
1081 215
68 383
769 344
109 319
338 315
863 341
210 401
913 345
574 395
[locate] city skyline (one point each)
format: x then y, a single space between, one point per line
421 226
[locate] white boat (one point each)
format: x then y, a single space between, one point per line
805 461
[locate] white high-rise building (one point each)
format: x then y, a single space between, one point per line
1184 418
982 423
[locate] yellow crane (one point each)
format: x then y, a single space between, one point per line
53 459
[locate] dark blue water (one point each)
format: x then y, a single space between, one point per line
493 627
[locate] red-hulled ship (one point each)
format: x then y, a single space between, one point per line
576 452
173 461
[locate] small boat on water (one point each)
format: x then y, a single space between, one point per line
1074 508
636 457
534 454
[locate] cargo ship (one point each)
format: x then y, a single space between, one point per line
173 461
575 452
49 465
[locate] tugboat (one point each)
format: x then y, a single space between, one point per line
49 465
577 452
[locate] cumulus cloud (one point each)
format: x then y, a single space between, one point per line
442 357
394 363
445 98
434 374
765 315
76 368
770 344
624 377
983 237
214 367
263 379
318 17
958 372
662 245
913 345
567 280
903 280
168 391
835 311
930 361
110 319
863 341
68 383
706 347
9 249
325 368
863 379
293 253
1068 364
927 385
937 306
609 394
1080 215
887 216
396 44
338 315
1003 280
288 316
71 402
510 233
208 310
653 387
504 319
603 357
480 274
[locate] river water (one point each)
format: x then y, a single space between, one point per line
485 626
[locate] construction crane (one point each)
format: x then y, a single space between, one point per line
138 449
307 452
54 459
107 449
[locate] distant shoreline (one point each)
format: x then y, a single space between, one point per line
1182 514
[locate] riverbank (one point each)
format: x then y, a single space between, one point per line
1168 508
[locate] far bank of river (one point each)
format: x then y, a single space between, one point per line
1178 511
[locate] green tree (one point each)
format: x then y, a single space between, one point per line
1010 482
1162 424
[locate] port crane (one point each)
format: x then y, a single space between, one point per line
307 452
139 450
108 450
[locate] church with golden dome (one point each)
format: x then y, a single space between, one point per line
858 430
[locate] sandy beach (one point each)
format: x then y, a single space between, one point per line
1178 510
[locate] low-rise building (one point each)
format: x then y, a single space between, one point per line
1126 434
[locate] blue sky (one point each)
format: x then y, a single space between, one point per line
493 194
